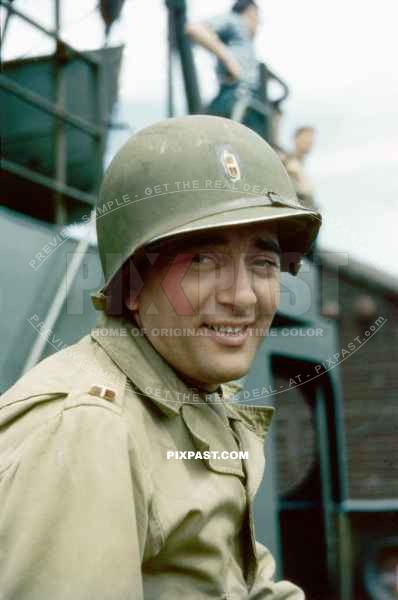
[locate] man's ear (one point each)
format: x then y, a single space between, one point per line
132 303
132 285
132 300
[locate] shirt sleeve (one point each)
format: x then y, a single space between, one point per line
72 520
264 588
223 25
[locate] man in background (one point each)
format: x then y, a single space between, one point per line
277 116
295 162
230 37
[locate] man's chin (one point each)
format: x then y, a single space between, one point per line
210 376
225 375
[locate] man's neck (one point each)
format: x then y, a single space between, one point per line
206 388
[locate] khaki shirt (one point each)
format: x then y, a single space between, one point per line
91 508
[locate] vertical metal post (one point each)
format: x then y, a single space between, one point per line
264 77
3 33
345 557
341 444
326 488
170 56
60 137
178 8
98 71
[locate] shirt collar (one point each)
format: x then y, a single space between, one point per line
148 372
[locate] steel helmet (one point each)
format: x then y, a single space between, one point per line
195 173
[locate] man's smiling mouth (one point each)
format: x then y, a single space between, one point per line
229 330
226 329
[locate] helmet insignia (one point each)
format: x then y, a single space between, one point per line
231 165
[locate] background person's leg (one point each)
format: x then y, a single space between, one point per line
223 103
255 121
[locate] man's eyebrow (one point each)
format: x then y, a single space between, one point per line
188 244
259 242
207 240
268 245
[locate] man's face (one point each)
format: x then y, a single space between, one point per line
214 280
304 142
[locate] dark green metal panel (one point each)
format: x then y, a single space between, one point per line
300 294
27 131
289 341
32 291
266 501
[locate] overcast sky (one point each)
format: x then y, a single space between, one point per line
339 59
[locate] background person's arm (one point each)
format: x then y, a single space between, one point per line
206 36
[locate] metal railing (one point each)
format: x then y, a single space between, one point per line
259 102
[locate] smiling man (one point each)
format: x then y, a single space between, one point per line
229 279
128 469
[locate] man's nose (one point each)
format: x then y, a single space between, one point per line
240 295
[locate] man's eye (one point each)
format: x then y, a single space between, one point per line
266 263
203 259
